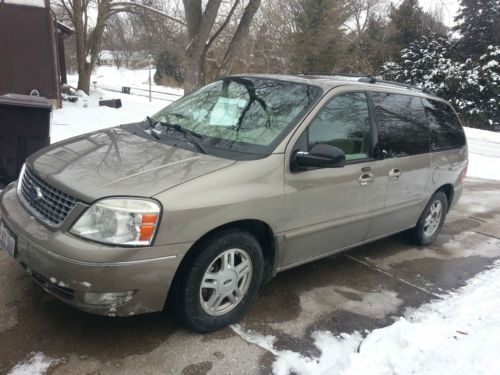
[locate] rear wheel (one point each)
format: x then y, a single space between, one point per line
219 281
430 223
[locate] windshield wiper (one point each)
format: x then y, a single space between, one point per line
151 124
189 135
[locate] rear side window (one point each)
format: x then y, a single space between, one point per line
402 125
446 131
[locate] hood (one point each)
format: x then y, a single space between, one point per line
116 162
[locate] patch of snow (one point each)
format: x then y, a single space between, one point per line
86 284
265 342
378 303
36 364
32 3
484 153
53 280
86 115
457 335
116 78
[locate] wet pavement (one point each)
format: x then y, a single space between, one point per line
365 288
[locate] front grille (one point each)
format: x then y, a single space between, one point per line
44 201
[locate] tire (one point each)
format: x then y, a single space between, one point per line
424 232
207 309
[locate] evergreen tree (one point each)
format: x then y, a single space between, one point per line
406 23
478 24
374 47
486 96
423 63
319 40
473 87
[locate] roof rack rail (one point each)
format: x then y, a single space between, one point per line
303 73
370 79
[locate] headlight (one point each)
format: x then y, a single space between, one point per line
119 221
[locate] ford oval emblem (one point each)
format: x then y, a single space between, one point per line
35 193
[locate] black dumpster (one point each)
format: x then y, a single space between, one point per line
24 129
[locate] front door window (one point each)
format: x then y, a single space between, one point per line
345 123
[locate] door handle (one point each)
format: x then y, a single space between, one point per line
366 178
394 174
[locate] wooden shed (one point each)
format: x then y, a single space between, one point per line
31 49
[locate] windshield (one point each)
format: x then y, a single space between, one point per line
241 115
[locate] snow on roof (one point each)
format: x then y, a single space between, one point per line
31 3
110 55
63 28
106 55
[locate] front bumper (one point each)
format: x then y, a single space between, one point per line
61 264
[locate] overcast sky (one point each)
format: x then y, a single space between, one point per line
449 7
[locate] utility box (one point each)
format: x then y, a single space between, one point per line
24 129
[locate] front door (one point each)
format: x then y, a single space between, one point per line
327 209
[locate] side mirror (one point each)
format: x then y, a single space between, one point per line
320 156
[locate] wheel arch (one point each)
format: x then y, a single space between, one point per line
258 228
449 191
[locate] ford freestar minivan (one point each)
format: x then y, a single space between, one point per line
219 191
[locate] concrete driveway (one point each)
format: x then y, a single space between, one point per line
362 289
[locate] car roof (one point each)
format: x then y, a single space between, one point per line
327 82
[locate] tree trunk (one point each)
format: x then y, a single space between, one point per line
238 38
88 45
80 36
84 73
193 75
199 24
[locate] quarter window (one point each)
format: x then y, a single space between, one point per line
402 125
345 123
446 131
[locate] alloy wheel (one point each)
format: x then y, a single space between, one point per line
226 282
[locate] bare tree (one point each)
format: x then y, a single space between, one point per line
363 15
89 31
202 33
362 12
200 22
238 38
271 49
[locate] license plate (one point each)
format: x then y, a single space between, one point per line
7 240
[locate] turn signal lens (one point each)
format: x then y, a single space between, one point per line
147 227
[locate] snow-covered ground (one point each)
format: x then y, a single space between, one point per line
86 115
484 154
457 335
114 78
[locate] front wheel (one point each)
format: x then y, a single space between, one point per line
430 223
219 280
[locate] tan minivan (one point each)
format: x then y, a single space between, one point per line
216 193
